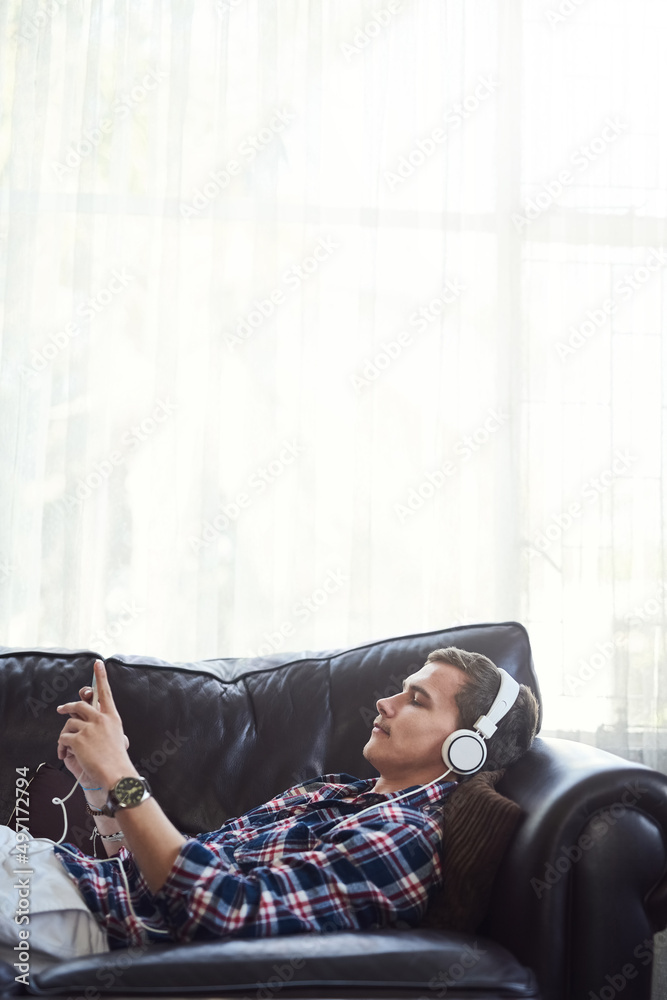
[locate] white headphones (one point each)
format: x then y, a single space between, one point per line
464 751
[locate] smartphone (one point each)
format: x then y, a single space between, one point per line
95 701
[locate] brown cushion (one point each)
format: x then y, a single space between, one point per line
46 817
478 823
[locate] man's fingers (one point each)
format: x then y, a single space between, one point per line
127 742
106 702
81 709
73 725
64 740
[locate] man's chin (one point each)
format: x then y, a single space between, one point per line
373 753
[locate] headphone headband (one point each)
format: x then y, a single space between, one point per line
508 693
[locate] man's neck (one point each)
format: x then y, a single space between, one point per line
386 784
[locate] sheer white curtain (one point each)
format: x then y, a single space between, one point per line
327 321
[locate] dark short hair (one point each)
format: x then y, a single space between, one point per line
516 730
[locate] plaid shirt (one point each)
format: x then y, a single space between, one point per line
282 868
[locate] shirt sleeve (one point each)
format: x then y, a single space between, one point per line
367 875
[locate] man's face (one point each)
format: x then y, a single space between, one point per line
406 741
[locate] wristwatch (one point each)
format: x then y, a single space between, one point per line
125 794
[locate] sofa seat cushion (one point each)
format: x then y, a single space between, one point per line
443 963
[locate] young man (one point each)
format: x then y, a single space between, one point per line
302 862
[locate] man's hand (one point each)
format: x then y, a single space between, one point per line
92 743
70 761
94 738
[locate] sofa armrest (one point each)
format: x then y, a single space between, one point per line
583 886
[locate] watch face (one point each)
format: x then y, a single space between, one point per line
129 792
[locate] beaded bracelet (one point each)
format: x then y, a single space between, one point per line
109 836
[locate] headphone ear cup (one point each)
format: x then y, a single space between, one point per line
464 751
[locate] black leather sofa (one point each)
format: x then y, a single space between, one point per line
577 898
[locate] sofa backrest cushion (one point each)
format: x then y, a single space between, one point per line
217 737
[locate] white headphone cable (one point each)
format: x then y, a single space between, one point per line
98 861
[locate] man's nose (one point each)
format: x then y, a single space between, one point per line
385 706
